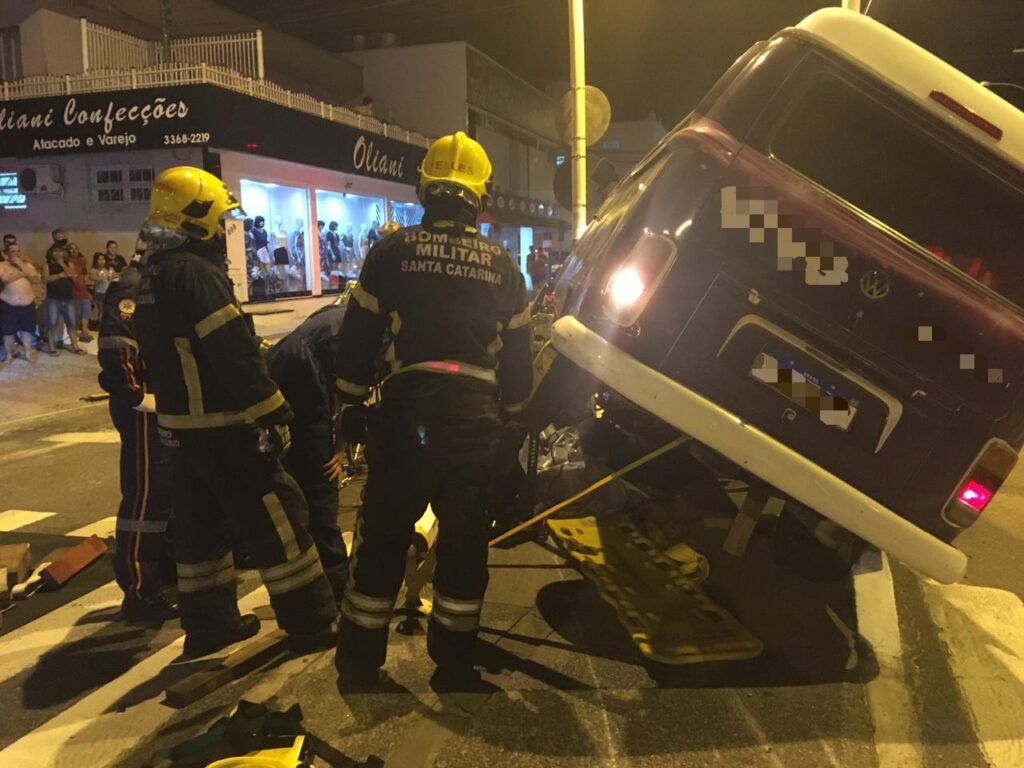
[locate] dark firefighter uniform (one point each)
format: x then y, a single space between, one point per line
213 394
450 307
145 508
302 364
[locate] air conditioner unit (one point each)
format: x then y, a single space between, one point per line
40 180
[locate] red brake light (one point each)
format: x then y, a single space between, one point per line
969 115
979 485
974 495
634 281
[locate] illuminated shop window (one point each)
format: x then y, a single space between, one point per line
406 214
351 226
10 199
275 240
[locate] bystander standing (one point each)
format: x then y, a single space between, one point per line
537 267
58 276
365 108
80 293
101 273
17 302
115 260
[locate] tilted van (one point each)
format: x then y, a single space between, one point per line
819 276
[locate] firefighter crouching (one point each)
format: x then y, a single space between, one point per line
302 365
226 424
450 306
145 510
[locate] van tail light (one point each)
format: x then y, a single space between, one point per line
636 278
980 484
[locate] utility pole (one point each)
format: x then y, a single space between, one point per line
578 87
165 30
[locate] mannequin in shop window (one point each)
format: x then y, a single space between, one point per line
281 259
334 243
364 244
297 270
261 240
325 255
348 251
250 246
253 265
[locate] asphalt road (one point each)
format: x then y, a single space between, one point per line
882 669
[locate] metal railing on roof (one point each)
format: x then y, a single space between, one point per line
106 48
95 81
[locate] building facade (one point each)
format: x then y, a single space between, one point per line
80 149
445 87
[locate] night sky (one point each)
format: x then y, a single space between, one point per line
648 55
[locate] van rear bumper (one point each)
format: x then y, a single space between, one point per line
756 452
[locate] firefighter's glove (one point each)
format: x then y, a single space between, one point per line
353 424
274 441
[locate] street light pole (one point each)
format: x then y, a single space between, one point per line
578 86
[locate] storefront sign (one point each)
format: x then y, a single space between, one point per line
370 161
199 115
88 122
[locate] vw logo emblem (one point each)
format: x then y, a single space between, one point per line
875 284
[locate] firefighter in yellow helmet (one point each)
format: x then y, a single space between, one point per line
450 307
225 423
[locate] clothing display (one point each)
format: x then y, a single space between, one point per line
278 268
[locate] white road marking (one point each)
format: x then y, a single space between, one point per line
103 528
66 440
21 648
983 629
97 730
889 699
78 438
30 453
13 519
63 412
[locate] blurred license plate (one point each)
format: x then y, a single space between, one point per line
807 390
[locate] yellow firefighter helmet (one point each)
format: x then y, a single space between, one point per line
191 202
460 161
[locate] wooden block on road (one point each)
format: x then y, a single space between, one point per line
16 558
76 558
247 658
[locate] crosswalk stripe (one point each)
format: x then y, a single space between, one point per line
888 695
13 519
77 438
104 528
983 629
97 729
22 648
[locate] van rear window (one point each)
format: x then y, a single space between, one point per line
890 167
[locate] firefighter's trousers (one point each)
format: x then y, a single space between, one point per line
312 447
145 509
432 440
223 484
